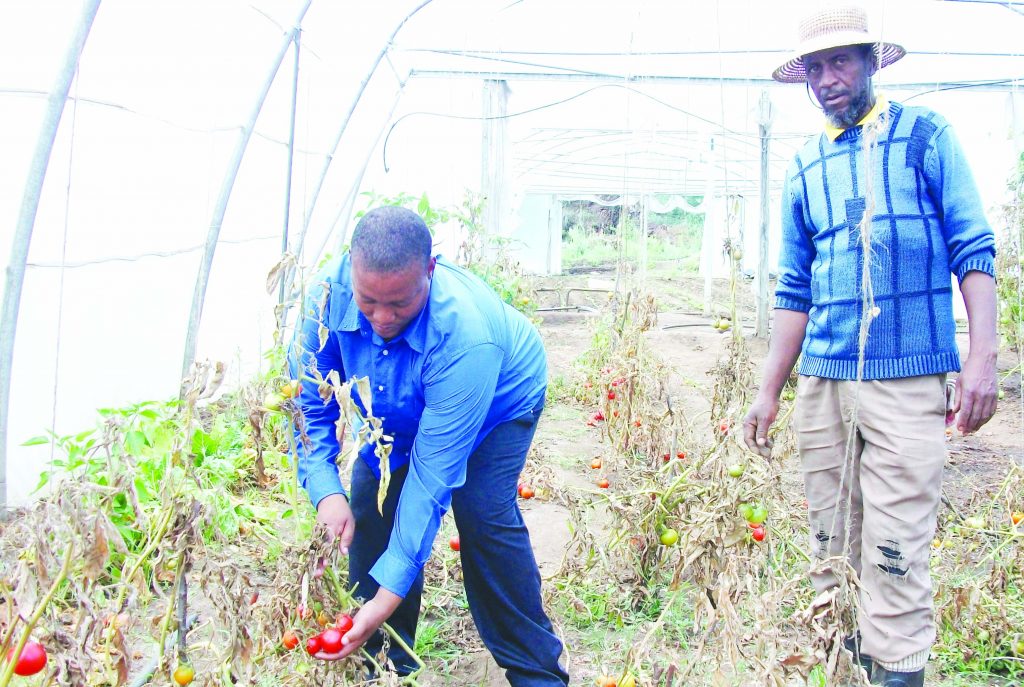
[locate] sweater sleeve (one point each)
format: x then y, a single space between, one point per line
793 291
969 238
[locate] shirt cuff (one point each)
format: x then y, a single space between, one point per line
978 264
395 573
790 303
324 483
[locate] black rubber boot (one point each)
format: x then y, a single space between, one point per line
890 678
852 644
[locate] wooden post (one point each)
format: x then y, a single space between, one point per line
764 126
493 161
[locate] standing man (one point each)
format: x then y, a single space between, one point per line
458 378
873 452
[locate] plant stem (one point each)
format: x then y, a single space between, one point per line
5 679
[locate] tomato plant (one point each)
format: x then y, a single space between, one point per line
31 660
330 640
453 543
184 674
289 640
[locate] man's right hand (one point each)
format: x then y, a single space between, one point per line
334 514
758 421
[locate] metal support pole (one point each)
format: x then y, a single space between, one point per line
15 272
344 125
203 278
291 163
764 126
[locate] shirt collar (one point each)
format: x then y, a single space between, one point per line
881 105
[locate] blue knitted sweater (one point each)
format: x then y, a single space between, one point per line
927 223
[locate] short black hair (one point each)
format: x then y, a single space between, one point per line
391 238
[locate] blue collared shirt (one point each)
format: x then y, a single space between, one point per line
464 365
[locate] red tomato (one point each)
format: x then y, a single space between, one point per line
758 533
603 483
344 623
313 645
611 395
527 492
595 464
598 416
453 543
666 457
31 660
330 640
681 455
1016 517
290 640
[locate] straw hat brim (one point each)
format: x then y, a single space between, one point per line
793 70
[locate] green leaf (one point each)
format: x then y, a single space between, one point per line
203 444
424 205
134 442
44 479
37 441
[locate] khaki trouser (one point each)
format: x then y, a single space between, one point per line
892 484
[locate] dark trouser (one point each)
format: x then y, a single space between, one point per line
500 572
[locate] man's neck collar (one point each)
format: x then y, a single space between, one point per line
881 105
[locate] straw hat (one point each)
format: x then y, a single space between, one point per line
831 27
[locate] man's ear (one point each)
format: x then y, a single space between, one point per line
430 267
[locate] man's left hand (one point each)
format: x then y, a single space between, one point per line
366 621
976 393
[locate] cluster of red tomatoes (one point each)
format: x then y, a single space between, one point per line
328 641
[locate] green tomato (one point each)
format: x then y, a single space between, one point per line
746 511
759 515
273 401
736 469
669 537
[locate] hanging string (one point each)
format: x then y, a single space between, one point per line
60 276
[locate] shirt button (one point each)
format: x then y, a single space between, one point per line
385 351
380 388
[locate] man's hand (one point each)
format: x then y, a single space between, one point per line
758 421
368 620
976 393
334 514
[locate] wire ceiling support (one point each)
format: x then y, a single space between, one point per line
15 276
